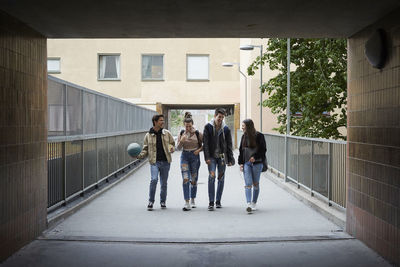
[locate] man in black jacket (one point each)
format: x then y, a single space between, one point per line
218 153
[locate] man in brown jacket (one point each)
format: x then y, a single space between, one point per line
158 145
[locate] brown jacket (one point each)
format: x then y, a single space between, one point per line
150 149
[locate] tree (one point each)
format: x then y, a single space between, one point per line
318 85
176 121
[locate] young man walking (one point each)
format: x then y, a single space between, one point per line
218 153
158 145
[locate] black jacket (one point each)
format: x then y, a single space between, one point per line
225 140
259 156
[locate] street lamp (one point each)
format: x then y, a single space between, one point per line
231 64
251 47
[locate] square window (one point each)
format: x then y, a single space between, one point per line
152 67
197 67
53 65
109 67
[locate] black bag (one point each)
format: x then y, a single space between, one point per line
265 165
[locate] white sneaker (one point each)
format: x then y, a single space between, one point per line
192 203
249 209
254 206
186 207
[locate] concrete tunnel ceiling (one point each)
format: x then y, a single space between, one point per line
198 18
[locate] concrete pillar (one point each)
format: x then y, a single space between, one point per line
23 135
373 172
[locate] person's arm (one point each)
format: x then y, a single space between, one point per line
201 142
179 146
206 148
229 152
145 149
171 142
240 158
261 147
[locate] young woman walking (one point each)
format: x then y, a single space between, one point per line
251 156
190 140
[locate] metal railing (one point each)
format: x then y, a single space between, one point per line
318 165
88 133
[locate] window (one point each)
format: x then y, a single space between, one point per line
53 65
153 67
197 67
109 67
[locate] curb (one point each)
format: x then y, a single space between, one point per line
336 216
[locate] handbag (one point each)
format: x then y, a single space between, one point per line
265 165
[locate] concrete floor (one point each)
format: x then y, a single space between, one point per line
117 230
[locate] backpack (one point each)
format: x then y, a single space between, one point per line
197 134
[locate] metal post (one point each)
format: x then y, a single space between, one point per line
64 143
65 110
329 174
312 168
64 151
245 92
287 112
298 162
83 144
261 83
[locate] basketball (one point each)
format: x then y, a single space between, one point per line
134 149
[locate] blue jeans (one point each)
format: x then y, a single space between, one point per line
214 164
251 173
161 167
190 164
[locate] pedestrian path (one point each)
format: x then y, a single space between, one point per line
117 230
121 214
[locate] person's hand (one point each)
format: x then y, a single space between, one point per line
252 160
171 149
229 164
208 162
241 167
183 137
196 152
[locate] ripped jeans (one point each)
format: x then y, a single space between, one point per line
251 173
190 164
216 163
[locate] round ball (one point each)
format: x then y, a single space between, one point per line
134 149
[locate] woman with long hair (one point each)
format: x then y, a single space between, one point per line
251 156
190 140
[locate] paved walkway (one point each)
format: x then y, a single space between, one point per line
117 230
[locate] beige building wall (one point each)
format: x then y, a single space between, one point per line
269 120
79 64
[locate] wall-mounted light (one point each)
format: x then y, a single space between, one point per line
376 49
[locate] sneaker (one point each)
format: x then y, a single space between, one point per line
254 206
249 209
186 207
192 203
218 204
150 206
211 206
163 206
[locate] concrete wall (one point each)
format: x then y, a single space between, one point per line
23 135
373 174
79 64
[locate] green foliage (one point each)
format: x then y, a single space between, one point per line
176 121
318 84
